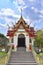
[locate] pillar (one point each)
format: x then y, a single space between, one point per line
15 43
33 41
27 43
30 44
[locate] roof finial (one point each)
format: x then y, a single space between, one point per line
21 12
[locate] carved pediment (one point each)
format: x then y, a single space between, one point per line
21 27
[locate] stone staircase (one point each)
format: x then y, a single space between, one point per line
21 57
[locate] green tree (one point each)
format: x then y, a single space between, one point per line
3 40
39 39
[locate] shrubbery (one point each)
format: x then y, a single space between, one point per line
39 40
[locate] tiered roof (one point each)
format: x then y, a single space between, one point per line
28 29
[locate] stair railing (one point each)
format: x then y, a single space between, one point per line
4 59
38 57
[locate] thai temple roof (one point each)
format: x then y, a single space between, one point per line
28 29
21 19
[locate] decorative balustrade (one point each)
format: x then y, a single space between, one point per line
4 59
38 57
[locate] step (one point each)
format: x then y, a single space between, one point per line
22 63
21 57
21 60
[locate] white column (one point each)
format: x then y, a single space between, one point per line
27 43
15 42
32 41
9 40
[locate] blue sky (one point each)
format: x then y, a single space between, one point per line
10 11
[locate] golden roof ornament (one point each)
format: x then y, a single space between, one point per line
21 18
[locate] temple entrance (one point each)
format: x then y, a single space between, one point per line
21 40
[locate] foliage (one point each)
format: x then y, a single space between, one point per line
3 40
39 39
2 54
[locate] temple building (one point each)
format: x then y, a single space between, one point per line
21 35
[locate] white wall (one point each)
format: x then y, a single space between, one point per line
27 41
15 40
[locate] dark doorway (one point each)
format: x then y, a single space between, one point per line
21 40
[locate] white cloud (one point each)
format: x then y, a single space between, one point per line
21 2
34 9
38 11
41 11
17 2
32 0
20 7
7 12
8 21
41 3
28 20
24 7
41 16
31 25
3 25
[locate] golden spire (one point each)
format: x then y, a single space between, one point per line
21 18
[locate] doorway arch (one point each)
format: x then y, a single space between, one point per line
21 40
